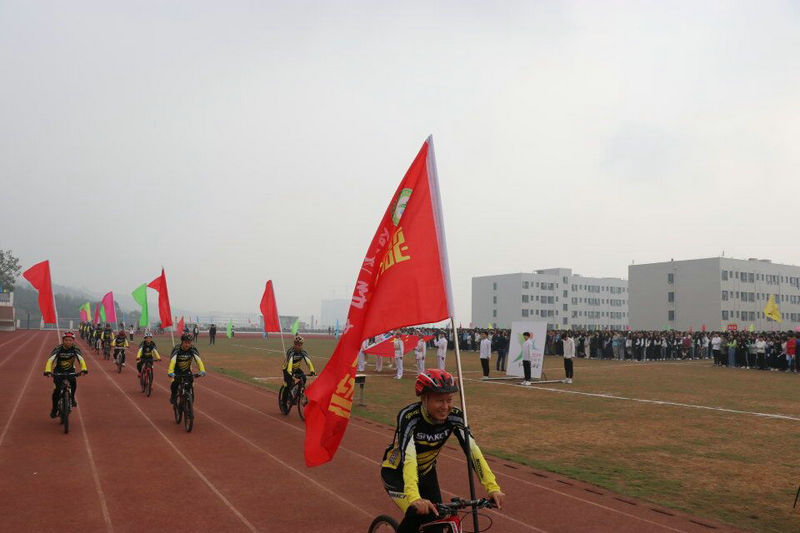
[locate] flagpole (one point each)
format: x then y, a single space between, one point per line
55 308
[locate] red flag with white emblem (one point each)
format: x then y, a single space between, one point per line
404 280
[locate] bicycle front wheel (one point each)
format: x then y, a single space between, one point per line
178 408
188 415
65 407
383 524
283 401
302 401
148 383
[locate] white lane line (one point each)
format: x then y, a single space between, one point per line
21 393
281 462
98 487
199 474
641 400
18 348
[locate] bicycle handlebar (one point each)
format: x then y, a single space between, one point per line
457 504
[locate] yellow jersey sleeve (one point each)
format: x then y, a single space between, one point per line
156 355
171 368
485 474
410 475
200 364
309 363
48 366
83 362
139 354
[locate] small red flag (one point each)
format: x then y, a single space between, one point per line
164 312
181 325
108 305
39 276
96 313
704 327
403 281
270 310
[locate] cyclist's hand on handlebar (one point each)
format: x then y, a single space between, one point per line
423 507
84 372
171 374
202 374
47 374
497 498
312 374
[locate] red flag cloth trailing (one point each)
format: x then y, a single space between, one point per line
403 281
39 276
84 316
181 325
270 310
108 305
164 312
96 313
384 348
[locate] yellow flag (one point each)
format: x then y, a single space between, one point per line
752 327
771 309
490 325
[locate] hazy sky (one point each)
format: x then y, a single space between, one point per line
235 142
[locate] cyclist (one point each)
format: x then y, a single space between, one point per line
106 335
119 343
147 352
294 356
180 364
62 361
409 463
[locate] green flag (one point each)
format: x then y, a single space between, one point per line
140 295
102 313
87 308
295 326
230 328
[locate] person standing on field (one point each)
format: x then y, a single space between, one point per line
419 355
441 350
569 354
486 353
527 350
399 350
362 357
212 334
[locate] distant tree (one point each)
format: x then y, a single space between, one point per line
9 269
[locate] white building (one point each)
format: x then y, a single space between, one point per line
332 311
715 292
556 295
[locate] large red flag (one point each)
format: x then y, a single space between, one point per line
403 281
39 276
164 312
108 305
270 310
181 325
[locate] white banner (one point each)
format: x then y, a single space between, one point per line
538 331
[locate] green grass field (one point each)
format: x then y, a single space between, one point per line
735 467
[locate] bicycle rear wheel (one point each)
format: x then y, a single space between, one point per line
148 382
383 524
188 415
283 403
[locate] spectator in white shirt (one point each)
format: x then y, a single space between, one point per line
441 350
486 353
399 350
362 358
527 349
419 355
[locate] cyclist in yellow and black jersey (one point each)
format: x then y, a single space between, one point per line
180 364
294 356
62 361
409 463
147 352
119 344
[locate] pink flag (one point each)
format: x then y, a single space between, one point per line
108 305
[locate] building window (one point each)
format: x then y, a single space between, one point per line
524 312
670 296
564 308
671 315
670 278
751 277
494 286
564 294
494 313
494 299
564 320
537 284
724 296
525 284
537 297
524 298
724 315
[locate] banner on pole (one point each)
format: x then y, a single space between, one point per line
538 331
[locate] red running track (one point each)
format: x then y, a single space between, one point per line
126 465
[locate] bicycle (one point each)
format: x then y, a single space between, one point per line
184 402
106 350
64 405
119 358
449 520
296 395
146 381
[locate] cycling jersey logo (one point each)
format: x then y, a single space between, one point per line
400 205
